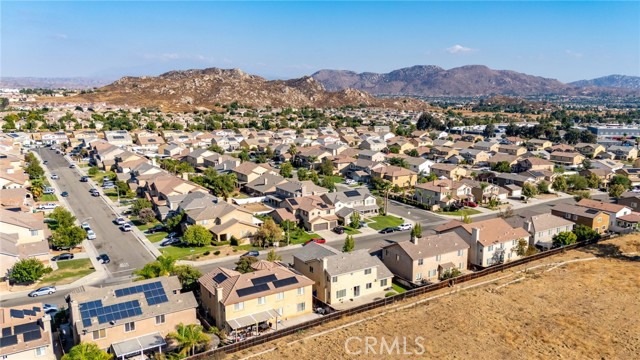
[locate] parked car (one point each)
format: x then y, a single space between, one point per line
120 221
405 226
45 162
363 224
350 182
338 230
49 206
91 235
170 241
48 190
47 290
103 259
387 230
85 226
86 159
317 241
49 308
251 253
63 256
84 179
54 177
155 229
64 194
126 227
108 187
94 192
470 204
72 166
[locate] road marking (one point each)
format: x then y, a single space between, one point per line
123 265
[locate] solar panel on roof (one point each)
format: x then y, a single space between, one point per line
18 314
264 279
220 278
8 341
252 290
36 309
32 335
23 328
293 202
6 331
351 193
86 322
285 282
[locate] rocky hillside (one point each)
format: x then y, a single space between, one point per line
611 81
201 89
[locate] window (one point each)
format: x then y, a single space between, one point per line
160 319
367 271
386 251
420 261
540 234
341 293
334 279
502 245
490 248
41 351
301 306
568 216
397 257
368 286
460 252
311 269
130 326
418 276
575 217
280 296
599 219
459 265
438 257
300 291
383 282
238 306
280 311
34 232
262 300
99 334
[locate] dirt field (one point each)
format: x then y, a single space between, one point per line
586 309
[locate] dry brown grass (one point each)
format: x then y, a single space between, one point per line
581 310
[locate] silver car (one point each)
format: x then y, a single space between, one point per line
47 290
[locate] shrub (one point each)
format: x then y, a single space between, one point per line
217 252
206 253
234 241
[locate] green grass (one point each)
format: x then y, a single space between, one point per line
184 252
49 197
461 212
350 231
155 237
383 221
336 179
300 237
142 226
398 288
68 272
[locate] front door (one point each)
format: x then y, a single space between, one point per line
356 291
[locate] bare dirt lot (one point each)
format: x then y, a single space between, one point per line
584 309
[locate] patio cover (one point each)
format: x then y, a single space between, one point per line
253 319
447 265
138 345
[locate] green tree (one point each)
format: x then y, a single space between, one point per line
620 180
28 271
37 188
93 171
162 266
303 174
172 223
450 273
140 204
188 276
564 238
466 218
489 130
34 170
584 194
197 235
594 181
243 265
523 244
216 148
585 233
559 184
416 231
268 234
577 182
62 217
328 183
188 338
586 164
543 187
244 155
286 170
399 162
616 190
326 167
529 191
146 215
501 166
273 256
355 220
87 351
68 236
349 244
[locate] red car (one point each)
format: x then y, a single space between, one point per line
470 204
316 240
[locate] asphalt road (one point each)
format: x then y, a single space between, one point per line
125 251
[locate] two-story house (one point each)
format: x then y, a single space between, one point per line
443 193
567 158
341 277
613 210
26 333
450 171
260 298
398 176
222 219
22 235
293 189
590 150
426 259
595 219
544 227
346 202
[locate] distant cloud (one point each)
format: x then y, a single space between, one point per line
459 49
573 54
60 36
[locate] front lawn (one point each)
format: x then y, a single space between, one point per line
336 179
299 236
461 212
49 197
382 221
350 231
182 252
158 236
68 272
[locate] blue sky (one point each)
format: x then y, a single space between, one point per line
563 40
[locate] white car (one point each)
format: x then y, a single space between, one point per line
85 226
126 227
91 235
405 226
49 206
54 177
120 221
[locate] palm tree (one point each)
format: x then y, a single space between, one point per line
385 186
87 351
188 337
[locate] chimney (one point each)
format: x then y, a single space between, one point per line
303 189
475 234
218 293
414 240
528 225
325 263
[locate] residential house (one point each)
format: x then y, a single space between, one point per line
613 210
293 189
18 200
450 171
375 156
592 218
23 235
483 192
196 157
261 298
503 179
633 174
401 143
442 152
487 146
567 158
341 164
360 170
629 222
130 319
26 333
590 150
500 157
562 148
249 171
222 219
311 211
342 277
544 227
490 242
375 144
514 150
533 163
346 202
426 259
443 193
474 156
118 138
624 152
538 144
630 199
398 176
419 165
264 185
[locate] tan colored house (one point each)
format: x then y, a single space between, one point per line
544 227
514 150
443 152
22 236
483 191
491 241
312 211
590 150
130 318
443 193
396 175
624 152
593 218
263 297
26 333
426 259
473 156
500 157
223 220
341 277
534 164
567 158
249 171
613 210
538 144
487 146
450 171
